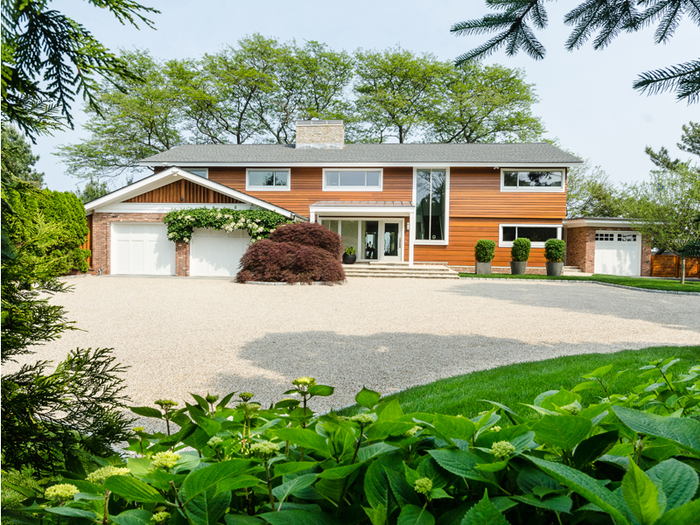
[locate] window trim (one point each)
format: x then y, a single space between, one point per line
205 170
509 244
248 187
429 242
354 188
536 189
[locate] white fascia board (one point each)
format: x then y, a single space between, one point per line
597 223
169 176
365 164
369 211
165 207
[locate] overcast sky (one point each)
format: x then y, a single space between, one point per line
586 96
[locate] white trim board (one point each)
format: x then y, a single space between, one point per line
165 207
365 164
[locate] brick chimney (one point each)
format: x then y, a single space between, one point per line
321 134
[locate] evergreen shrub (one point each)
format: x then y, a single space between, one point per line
554 250
521 249
484 250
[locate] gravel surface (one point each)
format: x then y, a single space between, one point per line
182 335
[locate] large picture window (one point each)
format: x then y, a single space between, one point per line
267 180
537 233
431 204
541 180
352 180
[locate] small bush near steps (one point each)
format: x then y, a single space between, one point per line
626 459
294 253
554 250
520 250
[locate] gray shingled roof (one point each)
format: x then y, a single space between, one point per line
252 154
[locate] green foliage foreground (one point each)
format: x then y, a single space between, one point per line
624 459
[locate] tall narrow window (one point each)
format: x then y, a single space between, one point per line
431 190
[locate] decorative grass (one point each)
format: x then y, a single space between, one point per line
512 385
634 282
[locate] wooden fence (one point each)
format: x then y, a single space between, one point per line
669 265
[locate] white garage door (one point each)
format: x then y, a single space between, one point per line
142 249
618 253
217 253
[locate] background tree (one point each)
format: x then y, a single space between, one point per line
127 126
484 104
94 189
601 20
48 59
666 207
17 157
591 193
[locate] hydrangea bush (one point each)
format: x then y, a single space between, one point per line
257 223
625 459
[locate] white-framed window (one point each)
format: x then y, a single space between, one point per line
604 237
431 193
202 172
532 180
352 180
267 179
537 233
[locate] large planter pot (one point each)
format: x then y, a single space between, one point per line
483 268
554 268
349 259
518 267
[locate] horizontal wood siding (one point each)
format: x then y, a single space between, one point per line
307 188
476 192
464 232
184 191
669 265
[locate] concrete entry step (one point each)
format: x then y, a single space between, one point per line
574 270
399 270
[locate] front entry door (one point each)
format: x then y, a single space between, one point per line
391 236
382 240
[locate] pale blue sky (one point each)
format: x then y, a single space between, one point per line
586 97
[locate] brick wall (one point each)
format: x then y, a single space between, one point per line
580 249
102 241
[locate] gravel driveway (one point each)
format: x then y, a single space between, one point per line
182 335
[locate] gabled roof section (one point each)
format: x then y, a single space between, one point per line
165 177
369 155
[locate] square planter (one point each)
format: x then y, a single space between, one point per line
554 268
518 267
483 268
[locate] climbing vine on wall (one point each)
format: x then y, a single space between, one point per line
258 223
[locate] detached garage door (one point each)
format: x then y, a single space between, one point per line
217 253
618 253
142 249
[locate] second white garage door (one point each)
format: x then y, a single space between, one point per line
142 249
618 253
217 253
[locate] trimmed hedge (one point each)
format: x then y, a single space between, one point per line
521 249
554 250
484 250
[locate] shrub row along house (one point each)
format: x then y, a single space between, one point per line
401 203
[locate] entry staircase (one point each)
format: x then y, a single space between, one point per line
399 270
574 270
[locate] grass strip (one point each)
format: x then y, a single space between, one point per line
522 382
635 282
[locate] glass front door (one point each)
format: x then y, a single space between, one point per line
373 240
392 241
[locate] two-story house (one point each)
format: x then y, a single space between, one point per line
411 203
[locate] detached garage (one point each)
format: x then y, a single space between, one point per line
606 245
128 236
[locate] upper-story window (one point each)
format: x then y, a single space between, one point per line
202 172
267 180
540 180
431 206
352 180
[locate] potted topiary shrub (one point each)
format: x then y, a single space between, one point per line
349 256
519 253
484 251
554 250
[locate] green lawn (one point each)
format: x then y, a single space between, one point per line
522 382
637 282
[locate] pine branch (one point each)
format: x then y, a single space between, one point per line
684 79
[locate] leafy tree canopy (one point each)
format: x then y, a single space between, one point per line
257 90
601 20
17 157
48 59
591 193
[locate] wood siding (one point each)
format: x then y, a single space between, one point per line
476 192
184 191
669 265
307 188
